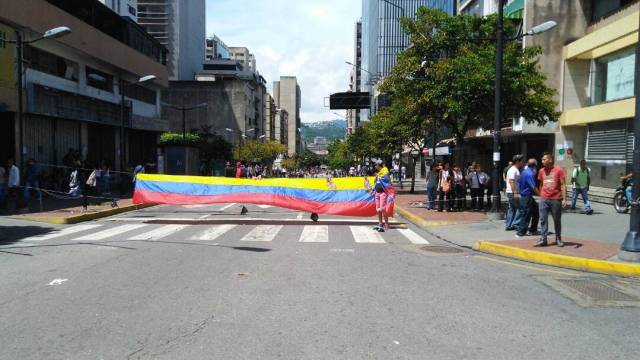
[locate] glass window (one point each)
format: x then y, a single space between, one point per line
51 64
614 76
140 93
99 79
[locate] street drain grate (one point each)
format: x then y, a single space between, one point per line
441 249
596 292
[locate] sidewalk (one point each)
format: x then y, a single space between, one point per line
592 242
73 213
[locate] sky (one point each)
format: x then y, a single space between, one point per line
310 39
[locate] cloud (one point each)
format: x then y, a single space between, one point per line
309 39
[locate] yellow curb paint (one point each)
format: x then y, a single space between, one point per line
416 220
74 219
523 266
564 261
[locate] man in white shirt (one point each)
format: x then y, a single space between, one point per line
13 183
513 195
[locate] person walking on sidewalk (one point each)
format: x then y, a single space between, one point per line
528 205
13 184
432 185
513 194
32 180
381 188
3 186
581 179
445 188
551 180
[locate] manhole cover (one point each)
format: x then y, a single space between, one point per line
596 292
441 249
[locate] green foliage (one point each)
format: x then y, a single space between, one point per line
339 156
290 164
309 159
263 152
168 138
448 76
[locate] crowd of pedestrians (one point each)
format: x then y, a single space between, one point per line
447 187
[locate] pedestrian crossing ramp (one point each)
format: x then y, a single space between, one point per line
232 233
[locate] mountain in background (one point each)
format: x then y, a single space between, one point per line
332 130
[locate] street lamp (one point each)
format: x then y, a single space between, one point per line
20 43
538 29
630 249
121 87
184 110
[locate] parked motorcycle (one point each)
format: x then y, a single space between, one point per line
620 200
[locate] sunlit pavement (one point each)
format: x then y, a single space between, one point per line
205 282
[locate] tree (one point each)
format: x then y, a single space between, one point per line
339 156
309 159
262 152
290 164
448 75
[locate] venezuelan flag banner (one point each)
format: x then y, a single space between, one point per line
338 196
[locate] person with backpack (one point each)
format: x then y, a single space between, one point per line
581 180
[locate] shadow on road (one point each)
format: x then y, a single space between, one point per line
13 234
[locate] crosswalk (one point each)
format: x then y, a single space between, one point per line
258 233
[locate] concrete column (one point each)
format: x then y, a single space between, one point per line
117 140
84 140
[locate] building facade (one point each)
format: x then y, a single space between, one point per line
235 100
270 111
597 92
244 57
382 41
288 96
353 115
281 127
180 26
216 49
126 8
73 85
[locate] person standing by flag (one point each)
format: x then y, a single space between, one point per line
383 195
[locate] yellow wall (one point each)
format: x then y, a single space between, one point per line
610 38
7 68
614 110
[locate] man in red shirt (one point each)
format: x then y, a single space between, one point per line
553 197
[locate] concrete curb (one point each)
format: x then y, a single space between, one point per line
418 221
74 219
563 261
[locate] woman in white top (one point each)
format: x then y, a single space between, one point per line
445 188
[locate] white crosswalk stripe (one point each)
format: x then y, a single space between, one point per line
365 234
264 206
315 233
63 232
213 232
118 230
262 233
159 233
413 237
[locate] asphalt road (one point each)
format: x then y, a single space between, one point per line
204 282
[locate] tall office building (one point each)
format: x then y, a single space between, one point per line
244 57
287 96
383 39
180 26
126 8
353 115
